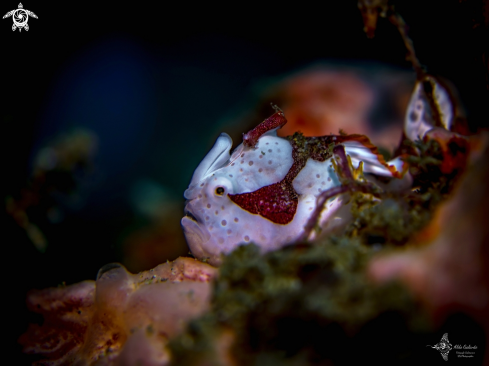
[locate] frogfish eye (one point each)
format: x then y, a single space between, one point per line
219 191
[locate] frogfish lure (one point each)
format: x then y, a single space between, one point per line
266 190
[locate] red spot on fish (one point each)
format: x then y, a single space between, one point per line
276 202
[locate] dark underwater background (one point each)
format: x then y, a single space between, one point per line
153 84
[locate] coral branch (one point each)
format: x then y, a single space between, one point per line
396 19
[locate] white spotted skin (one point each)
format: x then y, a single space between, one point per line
315 178
248 169
221 225
254 168
419 117
232 226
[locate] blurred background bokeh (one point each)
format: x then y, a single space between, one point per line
108 108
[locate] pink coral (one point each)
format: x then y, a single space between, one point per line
121 318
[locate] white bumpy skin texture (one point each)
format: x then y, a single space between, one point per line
265 192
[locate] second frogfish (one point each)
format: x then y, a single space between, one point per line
267 189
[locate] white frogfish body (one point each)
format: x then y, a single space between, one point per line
427 108
266 191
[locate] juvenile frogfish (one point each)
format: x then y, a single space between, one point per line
267 189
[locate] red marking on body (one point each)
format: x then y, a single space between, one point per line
277 120
276 202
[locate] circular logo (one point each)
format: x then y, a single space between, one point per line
20 17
